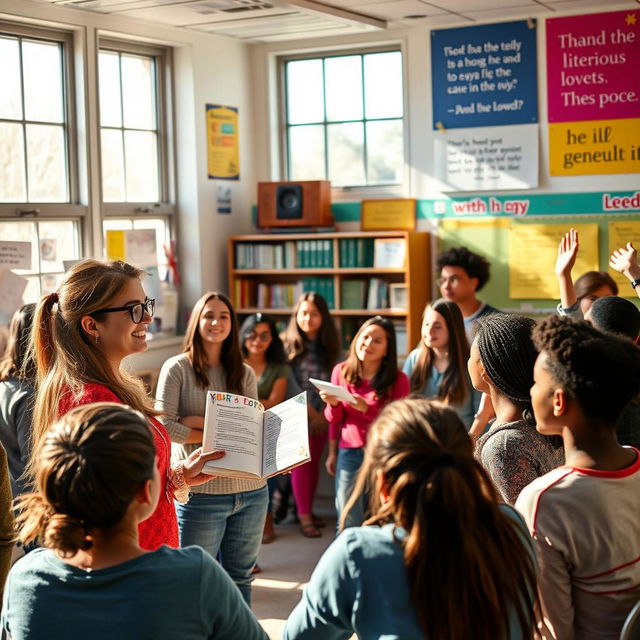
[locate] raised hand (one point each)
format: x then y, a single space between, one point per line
625 260
567 253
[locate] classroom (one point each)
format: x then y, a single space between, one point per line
272 150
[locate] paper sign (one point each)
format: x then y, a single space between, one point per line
115 245
592 66
389 214
591 148
12 287
488 158
533 249
140 247
222 142
485 75
619 234
15 255
48 249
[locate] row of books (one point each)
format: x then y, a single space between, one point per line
292 254
364 294
356 252
249 293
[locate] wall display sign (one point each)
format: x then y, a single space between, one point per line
15 255
388 215
222 142
485 75
488 158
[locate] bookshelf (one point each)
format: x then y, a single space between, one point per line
353 271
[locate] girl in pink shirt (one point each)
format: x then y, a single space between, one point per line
370 374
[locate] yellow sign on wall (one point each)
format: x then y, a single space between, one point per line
533 249
223 159
388 215
619 234
594 147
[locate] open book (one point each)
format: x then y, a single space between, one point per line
258 443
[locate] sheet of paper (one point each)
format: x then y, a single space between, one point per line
140 247
533 249
15 255
12 287
619 234
334 389
286 435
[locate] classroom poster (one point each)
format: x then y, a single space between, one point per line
222 142
592 93
619 234
488 158
15 255
12 287
533 249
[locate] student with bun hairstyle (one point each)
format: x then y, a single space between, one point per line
81 334
439 558
585 516
370 374
96 480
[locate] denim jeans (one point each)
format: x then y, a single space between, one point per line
347 467
229 524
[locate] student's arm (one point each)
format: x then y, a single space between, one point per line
483 415
335 417
567 254
277 395
23 425
326 607
625 260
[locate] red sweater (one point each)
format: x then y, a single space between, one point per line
162 526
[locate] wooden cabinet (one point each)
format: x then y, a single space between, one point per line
360 274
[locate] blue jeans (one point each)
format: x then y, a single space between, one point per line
230 524
347 467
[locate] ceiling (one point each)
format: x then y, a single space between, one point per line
278 20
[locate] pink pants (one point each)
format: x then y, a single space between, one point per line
304 479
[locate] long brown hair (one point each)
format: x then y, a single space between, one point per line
294 338
89 468
591 281
65 355
17 361
454 388
230 357
468 564
387 373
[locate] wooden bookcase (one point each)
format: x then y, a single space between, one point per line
266 274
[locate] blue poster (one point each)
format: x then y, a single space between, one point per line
484 76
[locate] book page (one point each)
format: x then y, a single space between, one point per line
286 436
233 424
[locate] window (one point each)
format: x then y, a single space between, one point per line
344 119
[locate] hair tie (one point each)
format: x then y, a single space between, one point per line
54 297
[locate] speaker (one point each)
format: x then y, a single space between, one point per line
295 204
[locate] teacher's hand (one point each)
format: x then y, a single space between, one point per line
192 466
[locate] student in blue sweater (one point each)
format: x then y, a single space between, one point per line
96 480
438 559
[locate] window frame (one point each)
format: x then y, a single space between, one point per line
398 188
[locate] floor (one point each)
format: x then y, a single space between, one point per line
287 564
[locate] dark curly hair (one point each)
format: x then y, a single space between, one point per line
600 371
475 265
616 315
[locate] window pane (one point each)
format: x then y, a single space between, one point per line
109 76
112 165
10 96
343 87
58 242
32 292
141 162
383 85
46 164
346 154
13 185
42 64
138 85
306 153
50 282
385 152
305 101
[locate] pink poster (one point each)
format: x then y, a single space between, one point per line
593 66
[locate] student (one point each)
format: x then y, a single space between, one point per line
439 558
585 516
501 365
625 260
576 300
17 376
312 346
370 374
81 334
462 276
263 351
438 367
224 515
96 482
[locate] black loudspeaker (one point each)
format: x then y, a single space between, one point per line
289 202
294 204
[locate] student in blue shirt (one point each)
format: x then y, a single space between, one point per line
439 559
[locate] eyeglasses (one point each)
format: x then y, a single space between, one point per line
451 279
265 336
136 311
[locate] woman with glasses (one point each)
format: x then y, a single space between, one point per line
263 351
81 334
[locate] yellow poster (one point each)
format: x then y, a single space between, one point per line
594 147
619 234
533 249
222 142
116 245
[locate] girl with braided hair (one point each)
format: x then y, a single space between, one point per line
501 365
96 480
439 558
